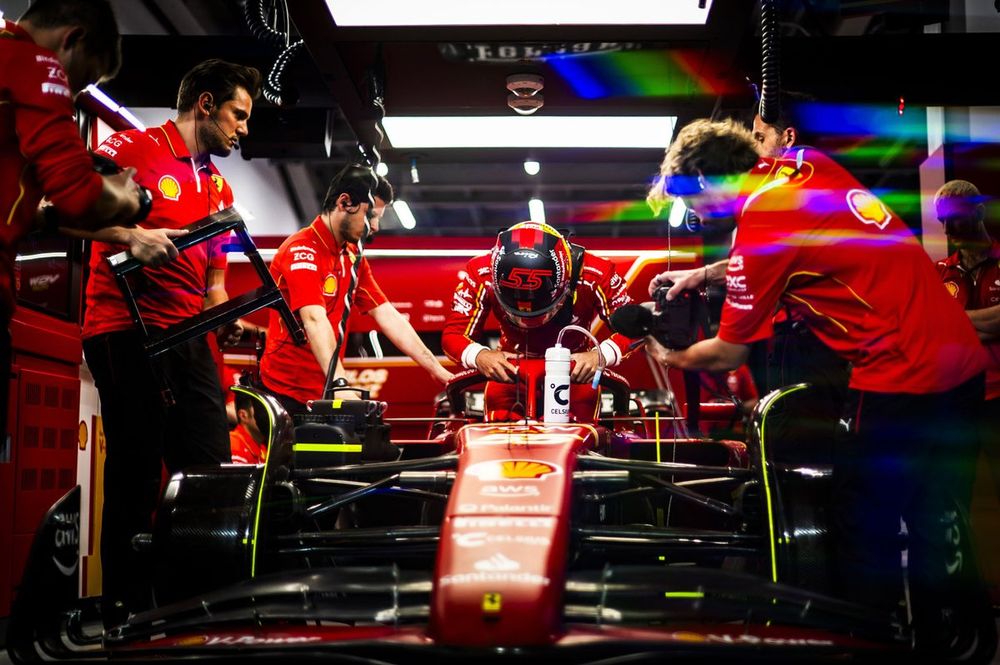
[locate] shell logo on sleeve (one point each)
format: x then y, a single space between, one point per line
952 288
866 207
169 187
330 285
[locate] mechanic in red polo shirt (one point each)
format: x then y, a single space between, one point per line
173 161
972 276
564 285
313 270
811 238
248 441
56 49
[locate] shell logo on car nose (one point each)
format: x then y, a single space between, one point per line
518 469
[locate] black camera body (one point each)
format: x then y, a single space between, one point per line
675 322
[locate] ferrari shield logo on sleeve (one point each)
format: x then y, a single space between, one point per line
169 187
866 207
218 181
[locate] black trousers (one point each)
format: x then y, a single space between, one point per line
142 433
902 456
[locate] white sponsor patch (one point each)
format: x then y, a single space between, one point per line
504 522
55 89
504 508
302 265
497 563
301 248
484 577
47 60
481 538
108 150
736 263
506 489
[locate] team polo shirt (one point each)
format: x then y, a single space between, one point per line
183 192
810 237
41 152
310 268
243 449
976 290
600 290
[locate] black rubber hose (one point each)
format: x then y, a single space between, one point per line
256 20
770 80
277 89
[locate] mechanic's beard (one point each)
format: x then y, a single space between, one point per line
347 233
212 139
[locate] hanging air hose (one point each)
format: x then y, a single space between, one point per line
256 20
770 82
277 88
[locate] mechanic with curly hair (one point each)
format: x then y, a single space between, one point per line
313 270
534 282
811 238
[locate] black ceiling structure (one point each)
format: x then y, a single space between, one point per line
848 52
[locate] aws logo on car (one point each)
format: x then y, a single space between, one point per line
515 469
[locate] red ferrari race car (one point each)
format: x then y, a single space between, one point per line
583 542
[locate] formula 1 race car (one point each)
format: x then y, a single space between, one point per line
577 542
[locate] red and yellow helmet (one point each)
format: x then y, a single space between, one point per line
531 270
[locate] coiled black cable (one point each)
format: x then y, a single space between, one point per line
256 20
277 89
770 81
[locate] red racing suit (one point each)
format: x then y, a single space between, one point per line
41 152
802 235
244 449
599 291
310 268
977 291
182 194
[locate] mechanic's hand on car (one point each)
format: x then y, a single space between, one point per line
584 366
229 334
494 366
153 247
683 280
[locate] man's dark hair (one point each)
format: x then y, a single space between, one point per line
247 403
96 18
359 182
220 78
793 112
385 191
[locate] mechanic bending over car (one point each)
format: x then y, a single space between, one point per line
794 354
972 276
313 270
535 283
214 102
55 50
812 239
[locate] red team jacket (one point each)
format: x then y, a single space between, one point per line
599 292
41 152
310 269
812 238
976 294
182 194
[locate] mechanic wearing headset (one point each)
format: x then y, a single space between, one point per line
812 238
174 162
56 49
313 270
534 282
972 276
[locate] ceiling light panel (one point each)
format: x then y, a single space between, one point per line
530 132
380 13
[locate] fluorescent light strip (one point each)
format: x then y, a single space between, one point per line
114 106
268 254
530 131
405 215
376 13
536 209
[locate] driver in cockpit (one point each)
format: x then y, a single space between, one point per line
535 283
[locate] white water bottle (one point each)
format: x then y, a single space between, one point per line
556 384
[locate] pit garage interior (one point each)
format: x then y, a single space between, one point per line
905 90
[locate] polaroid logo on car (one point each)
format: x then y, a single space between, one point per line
504 508
769 641
509 490
504 522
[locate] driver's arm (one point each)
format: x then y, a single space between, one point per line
401 333
712 354
986 321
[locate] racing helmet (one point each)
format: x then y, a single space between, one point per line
531 268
